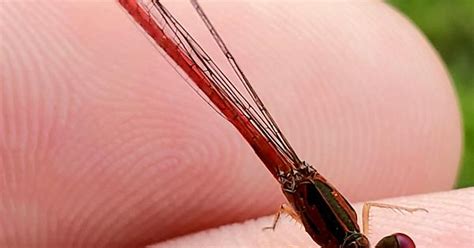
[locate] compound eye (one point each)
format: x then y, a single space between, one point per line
396 240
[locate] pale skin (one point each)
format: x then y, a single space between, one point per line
104 145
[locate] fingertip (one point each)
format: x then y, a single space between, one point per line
452 209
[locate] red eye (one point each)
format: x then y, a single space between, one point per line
396 240
404 241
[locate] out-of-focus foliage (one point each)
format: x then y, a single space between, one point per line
449 25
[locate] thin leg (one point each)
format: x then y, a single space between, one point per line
368 205
286 209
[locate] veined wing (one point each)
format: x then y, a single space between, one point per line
263 114
251 107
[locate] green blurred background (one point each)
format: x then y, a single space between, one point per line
449 25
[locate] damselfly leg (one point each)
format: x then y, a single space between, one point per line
368 205
324 212
284 209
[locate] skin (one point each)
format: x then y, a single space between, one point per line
103 144
448 224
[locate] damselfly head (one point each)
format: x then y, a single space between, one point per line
396 240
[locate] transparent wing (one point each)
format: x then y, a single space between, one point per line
253 108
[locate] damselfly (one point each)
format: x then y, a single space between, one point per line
326 215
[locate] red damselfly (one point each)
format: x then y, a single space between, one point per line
326 215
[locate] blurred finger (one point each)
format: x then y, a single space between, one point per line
103 143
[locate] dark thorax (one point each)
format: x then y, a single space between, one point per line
326 215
